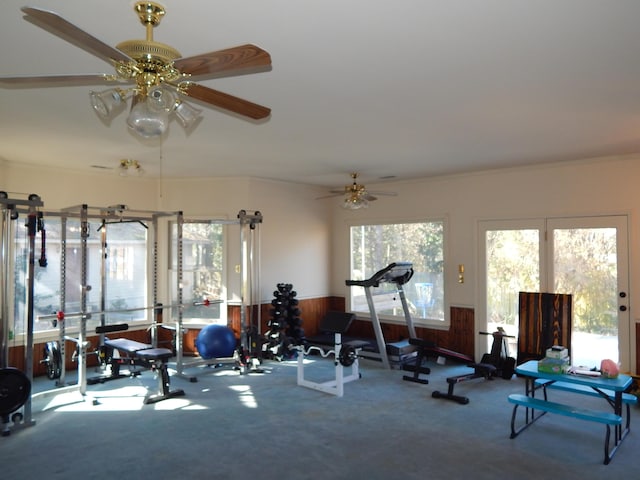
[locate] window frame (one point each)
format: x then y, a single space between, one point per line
221 302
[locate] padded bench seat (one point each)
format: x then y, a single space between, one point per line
154 358
151 354
126 345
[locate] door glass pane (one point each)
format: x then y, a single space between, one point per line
513 265
585 265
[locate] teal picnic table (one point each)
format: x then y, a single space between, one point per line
611 390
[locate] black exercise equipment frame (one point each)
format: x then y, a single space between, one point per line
497 363
136 354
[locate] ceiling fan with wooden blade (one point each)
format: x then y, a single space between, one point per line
356 195
152 69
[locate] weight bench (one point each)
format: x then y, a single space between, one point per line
332 322
137 353
345 354
428 349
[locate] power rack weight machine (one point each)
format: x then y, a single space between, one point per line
152 222
246 357
15 385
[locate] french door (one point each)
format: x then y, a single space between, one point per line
586 257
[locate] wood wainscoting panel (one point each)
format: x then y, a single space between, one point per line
460 337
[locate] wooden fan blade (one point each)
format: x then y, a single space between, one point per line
330 196
387 194
369 197
27 81
226 101
60 27
236 58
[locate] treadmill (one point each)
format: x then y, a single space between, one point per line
397 273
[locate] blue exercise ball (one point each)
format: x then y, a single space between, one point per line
215 341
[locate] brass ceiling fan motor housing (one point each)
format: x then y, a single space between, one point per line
154 59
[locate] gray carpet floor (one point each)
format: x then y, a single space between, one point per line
254 425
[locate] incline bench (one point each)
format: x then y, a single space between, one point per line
142 354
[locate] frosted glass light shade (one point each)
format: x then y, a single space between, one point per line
147 122
105 102
355 203
160 98
187 114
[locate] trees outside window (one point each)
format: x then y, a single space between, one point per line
373 247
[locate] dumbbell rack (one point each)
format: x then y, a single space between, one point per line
285 324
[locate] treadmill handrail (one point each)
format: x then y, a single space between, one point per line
396 272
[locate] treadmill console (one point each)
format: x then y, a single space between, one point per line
397 272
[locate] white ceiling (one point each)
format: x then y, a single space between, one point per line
410 88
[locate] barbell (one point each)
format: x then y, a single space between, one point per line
347 356
60 315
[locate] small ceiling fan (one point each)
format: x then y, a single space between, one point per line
157 75
356 195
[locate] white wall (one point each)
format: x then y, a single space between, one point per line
60 189
294 235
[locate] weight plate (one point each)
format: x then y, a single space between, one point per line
15 389
347 355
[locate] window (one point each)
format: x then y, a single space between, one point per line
373 247
117 279
202 271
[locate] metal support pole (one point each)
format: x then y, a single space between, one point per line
85 288
28 351
377 328
179 266
63 300
5 232
407 313
103 276
250 294
154 284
